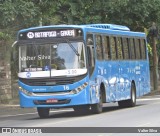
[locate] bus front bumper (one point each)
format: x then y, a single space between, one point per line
54 101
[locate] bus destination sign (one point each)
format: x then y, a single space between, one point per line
47 34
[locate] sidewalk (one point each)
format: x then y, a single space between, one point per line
14 109
154 93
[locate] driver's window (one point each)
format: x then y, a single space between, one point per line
90 53
89 39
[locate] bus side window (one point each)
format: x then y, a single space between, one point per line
119 48
99 49
143 48
90 53
132 48
107 55
113 48
137 48
125 48
89 39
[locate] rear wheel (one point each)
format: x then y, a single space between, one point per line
43 112
131 102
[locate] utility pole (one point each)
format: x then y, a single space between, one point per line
153 33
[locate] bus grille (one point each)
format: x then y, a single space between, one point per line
51 81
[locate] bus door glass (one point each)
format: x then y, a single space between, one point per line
91 53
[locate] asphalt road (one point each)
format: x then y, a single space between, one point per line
145 114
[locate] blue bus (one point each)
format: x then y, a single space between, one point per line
82 67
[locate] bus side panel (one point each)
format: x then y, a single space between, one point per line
101 75
139 73
144 78
124 83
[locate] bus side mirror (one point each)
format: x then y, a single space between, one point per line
14 44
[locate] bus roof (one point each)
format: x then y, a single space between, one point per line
92 27
100 26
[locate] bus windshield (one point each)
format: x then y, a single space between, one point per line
46 57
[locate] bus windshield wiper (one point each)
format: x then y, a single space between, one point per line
70 44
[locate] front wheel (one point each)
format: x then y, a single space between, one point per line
43 112
98 107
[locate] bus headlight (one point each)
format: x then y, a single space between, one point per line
80 88
25 91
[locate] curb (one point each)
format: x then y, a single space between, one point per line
153 93
9 106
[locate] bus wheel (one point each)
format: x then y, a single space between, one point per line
43 112
98 107
131 102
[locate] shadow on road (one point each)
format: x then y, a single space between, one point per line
72 113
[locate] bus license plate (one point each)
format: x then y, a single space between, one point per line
51 101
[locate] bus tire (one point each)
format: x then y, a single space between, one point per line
43 112
98 107
131 102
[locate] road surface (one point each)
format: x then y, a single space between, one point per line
146 114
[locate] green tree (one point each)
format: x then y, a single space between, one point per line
18 14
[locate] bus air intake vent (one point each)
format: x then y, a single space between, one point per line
109 26
51 81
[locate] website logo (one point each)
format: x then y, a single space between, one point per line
6 130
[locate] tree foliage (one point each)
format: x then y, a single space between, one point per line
136 14
18 14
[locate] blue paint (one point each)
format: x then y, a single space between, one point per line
116 76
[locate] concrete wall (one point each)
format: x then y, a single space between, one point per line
5 74
5 84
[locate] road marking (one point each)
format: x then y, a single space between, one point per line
144 125
3 116
105 134
147 99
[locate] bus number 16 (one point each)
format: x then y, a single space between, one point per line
66 87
